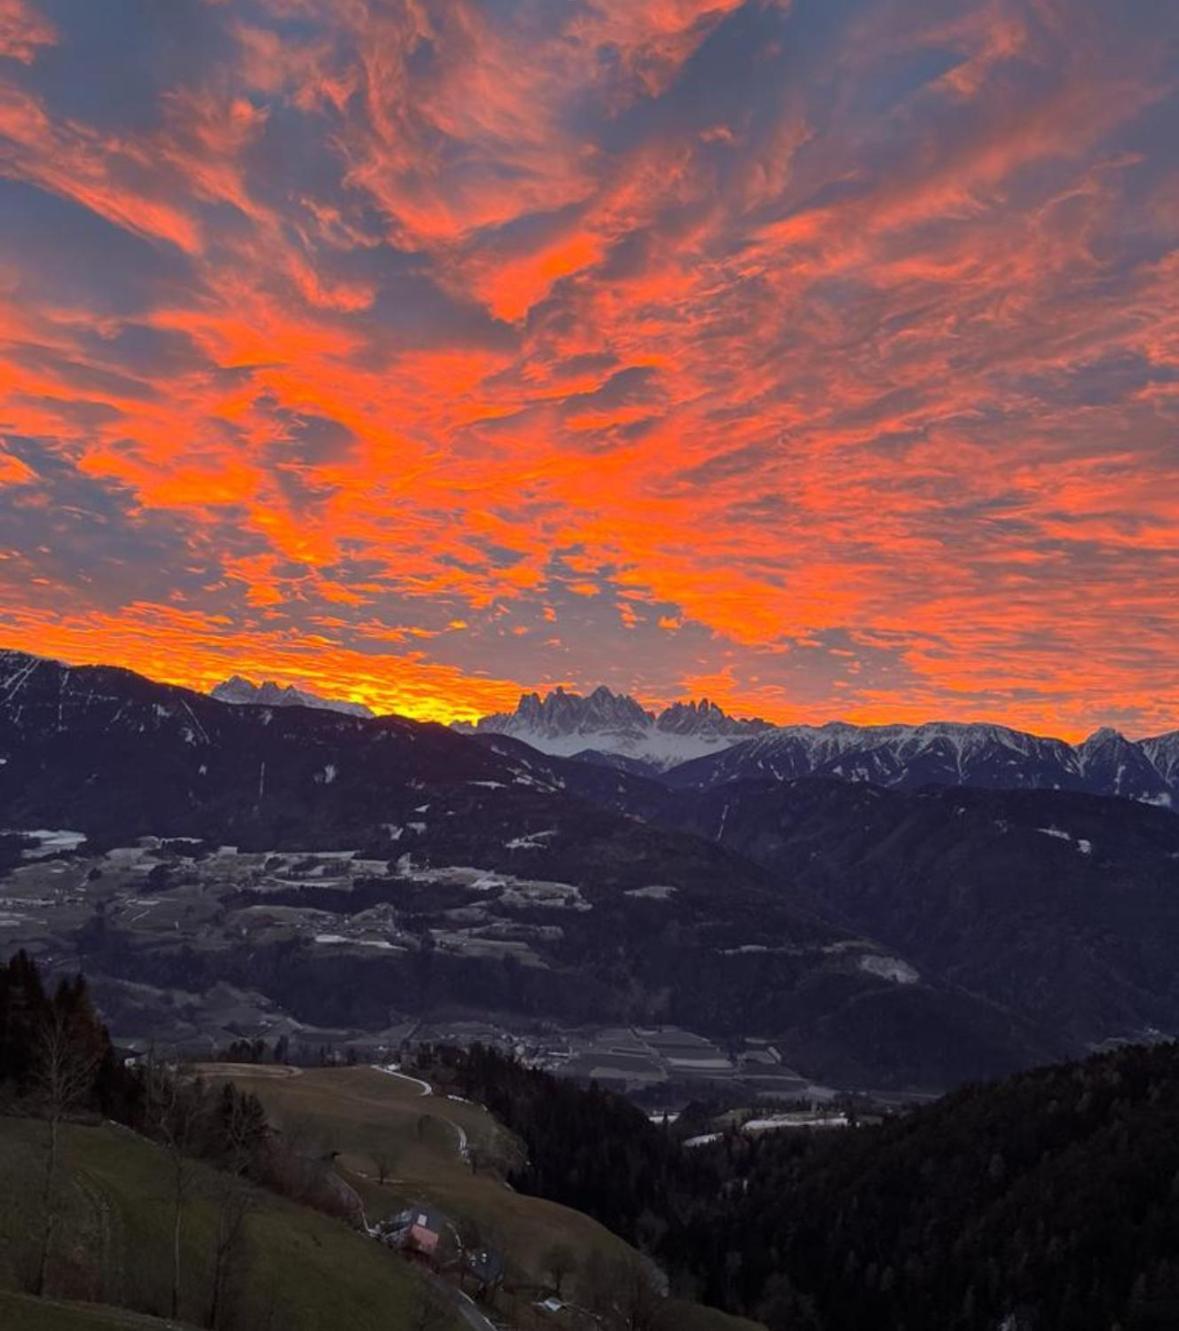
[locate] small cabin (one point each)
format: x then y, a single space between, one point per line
425 1232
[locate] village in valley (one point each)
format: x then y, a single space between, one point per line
412 1165
165 928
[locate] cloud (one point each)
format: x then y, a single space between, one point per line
821 357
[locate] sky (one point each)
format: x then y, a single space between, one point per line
817 356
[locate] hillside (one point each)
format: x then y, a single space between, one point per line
22 1312
298 1269
372 1118
1043 1202
251 1196
448 1153
1057 904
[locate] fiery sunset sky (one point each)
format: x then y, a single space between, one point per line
820 356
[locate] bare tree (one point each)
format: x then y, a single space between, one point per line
235 1201
64 1074
595 1288
175 1105
638 1302
385 1160
622 1293
558 1262
235 1198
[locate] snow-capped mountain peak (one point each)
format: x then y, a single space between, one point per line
1163 752
239 690
1116 764
949 753
570 723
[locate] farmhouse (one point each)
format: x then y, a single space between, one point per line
425 1232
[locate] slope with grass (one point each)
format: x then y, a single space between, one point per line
377 1122
22 1312
298 1270
370 1118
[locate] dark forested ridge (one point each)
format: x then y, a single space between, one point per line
1048 1200
1057 905
31 1020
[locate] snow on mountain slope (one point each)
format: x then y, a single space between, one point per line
1118 766
1163 752
947 754
568 724
269 694
696 745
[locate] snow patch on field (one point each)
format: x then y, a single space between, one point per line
1084 846
533 841
512 891
889 968
50 841
778 1122
381 944
656 892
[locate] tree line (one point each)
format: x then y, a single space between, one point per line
57 1064
1046 1200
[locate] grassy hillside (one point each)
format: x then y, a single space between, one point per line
22 1312
365 1115
300 1271
368 1116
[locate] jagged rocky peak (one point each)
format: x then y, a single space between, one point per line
560 713
615 723
705 716
239 690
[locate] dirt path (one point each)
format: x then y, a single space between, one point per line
426 1088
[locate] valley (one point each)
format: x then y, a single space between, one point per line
414 949
118 914
226 871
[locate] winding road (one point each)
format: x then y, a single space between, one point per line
426 1089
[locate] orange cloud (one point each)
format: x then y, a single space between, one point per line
830 368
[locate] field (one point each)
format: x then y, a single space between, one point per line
22 1312
301 1271
370 1117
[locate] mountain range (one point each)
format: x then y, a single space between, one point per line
494 879
239 690
696 744
892 906
612 725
